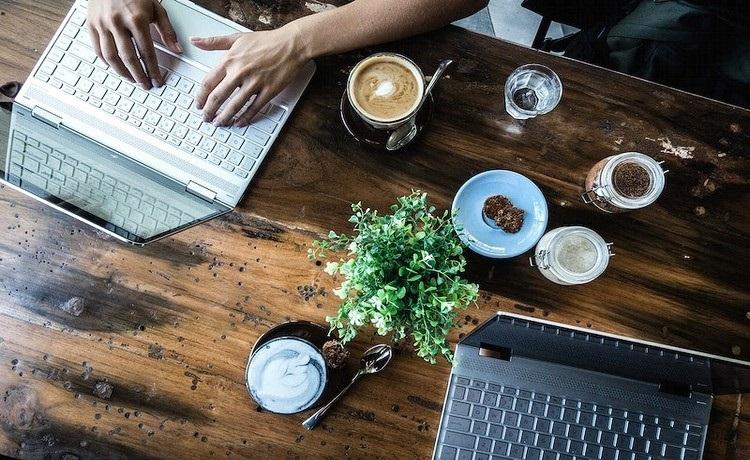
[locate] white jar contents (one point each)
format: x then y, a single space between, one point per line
576 254
571 255
286 375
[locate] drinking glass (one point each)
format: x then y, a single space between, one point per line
532 90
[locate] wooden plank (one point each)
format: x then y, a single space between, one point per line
170 326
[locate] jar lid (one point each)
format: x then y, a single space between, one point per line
608 189
577 255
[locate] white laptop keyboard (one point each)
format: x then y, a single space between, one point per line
87 187
168 113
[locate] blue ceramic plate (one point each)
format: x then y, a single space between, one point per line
481 235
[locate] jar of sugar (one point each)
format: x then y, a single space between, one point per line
571 255
624 182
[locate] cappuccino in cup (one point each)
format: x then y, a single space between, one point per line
385 89
286 375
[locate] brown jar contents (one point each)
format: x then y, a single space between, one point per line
335 354
631 180
503 213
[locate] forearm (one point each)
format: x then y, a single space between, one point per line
368 22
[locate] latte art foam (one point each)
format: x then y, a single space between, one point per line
385 88
286 375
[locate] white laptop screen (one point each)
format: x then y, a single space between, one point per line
94 183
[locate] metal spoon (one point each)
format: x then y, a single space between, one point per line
406 132
373 360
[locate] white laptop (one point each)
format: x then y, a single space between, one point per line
138 165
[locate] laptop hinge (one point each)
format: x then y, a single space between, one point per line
201 191
46 116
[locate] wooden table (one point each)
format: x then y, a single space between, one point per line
170 326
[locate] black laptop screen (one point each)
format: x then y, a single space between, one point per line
675 370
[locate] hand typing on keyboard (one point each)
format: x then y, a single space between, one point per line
119 31
256 64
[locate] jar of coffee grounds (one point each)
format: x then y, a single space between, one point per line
624 182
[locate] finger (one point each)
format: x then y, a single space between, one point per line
235 104
209 84
263 97
166 31
94 37
130 57
148 55
223 42
109 52
217 97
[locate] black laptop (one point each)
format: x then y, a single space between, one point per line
524 388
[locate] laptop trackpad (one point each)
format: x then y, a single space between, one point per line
188 22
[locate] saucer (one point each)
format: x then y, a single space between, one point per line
316 335
366 134
480 234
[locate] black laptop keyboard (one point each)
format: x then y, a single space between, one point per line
487 421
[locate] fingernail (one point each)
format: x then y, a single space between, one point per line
156 83
179 47
145 86
194 39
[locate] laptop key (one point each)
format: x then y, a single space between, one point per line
489 399
554 412
494 416
478 412
693 441
459 439
495 432
624 441
528 438
459 392
533 454
464 455
655 448
473 395
505 402
516 451
538 408
575 432
559 428
608 453
448 453
673 452
511 434
544 441
510 419
500 448
650 431
526 422
560 444
484 445
543 425
522 405
575 448
586 418
671 436
591 435
617 425
479 428
460 408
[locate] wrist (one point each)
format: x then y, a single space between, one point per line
301 42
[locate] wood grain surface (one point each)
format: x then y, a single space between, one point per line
168 328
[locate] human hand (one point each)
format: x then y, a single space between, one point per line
256 63
119 31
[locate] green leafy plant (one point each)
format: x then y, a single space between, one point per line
401 274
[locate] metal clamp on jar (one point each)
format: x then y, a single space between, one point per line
571 255
624 182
